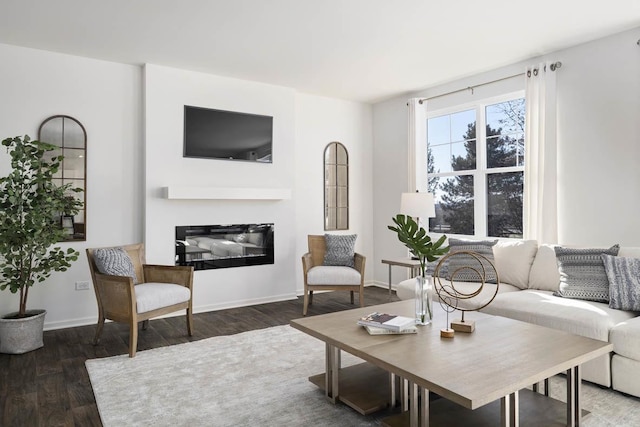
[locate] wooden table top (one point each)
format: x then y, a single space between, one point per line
502 355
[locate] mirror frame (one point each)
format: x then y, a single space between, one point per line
67 221
331 190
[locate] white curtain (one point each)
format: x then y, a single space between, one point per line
541 164
417 145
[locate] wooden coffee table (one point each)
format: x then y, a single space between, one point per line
481 376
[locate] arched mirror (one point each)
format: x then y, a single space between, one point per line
69 134
336 187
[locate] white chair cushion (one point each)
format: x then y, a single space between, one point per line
514 259
333 275
151 296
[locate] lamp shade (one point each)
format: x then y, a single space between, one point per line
420 205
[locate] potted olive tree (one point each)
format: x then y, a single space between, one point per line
31 205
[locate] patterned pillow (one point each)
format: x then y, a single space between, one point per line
115 262
458 262
582 273
624 282
340 249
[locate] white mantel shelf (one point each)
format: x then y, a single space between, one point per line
225 193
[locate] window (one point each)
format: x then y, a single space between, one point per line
475 168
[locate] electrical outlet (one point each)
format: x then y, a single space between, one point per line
82 285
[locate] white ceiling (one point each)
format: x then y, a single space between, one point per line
362 50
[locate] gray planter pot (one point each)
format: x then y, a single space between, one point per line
19 336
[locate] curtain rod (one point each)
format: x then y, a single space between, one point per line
553 67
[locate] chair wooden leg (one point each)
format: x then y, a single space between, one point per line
145 324
133 338
351 297
305 303
189 322
99 327
310 297
361 293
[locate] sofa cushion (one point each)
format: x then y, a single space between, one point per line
587 318
333 275
624 282
151 295
340 249
625 337
513 261
406 290
463 265
582 273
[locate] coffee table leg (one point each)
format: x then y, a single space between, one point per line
332 369
510 410
574 385
419 400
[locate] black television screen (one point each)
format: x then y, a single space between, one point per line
227 135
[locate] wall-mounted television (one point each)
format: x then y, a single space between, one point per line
229 135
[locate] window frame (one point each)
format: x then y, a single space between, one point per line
481 172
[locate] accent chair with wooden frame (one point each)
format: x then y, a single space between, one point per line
318 277
160 290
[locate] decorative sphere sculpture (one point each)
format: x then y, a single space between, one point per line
472 264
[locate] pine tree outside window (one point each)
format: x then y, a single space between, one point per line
475 168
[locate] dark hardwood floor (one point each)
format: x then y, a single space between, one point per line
50 386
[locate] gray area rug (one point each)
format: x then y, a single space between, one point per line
258 378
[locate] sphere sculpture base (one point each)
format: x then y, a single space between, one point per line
463 325
446 333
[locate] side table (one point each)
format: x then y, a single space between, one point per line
413 264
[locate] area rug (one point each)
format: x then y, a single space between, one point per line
258 378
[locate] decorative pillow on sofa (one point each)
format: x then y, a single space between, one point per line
624 282
340 249
514 259
582 273
115 262
481 247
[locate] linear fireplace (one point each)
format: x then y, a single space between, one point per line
222 246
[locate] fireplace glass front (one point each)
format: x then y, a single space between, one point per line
222 246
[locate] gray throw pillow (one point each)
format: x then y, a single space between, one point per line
582 273
624 282
114 262
459 262
340 249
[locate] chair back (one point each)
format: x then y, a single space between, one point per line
136 253
317 248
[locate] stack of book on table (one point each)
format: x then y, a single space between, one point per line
383 323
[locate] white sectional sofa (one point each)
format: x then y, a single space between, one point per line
528 278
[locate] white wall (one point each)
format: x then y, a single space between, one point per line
319 121
599 134
167 91
106 98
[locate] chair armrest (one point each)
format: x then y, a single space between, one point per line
307 262
178 274
359 261
116 295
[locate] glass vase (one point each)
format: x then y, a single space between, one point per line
424 300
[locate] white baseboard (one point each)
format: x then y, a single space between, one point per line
50 326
